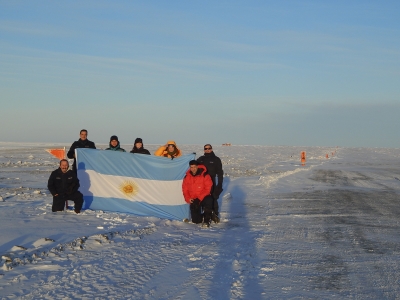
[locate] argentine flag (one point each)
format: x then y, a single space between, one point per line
143 185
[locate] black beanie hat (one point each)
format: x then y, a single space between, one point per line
114 137
138 140
193 162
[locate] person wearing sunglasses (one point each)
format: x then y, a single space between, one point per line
214 169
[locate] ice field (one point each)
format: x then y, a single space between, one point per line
326 230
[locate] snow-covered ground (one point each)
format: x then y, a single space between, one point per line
329 229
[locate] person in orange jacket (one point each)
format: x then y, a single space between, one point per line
169 150
196 188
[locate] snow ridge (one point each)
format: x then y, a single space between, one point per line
40 253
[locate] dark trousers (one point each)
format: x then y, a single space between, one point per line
215 196
215 205
59 202
198 206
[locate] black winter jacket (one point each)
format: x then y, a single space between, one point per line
214 167
140 150
79 144
63 184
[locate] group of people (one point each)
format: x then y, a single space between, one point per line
201 186
168 150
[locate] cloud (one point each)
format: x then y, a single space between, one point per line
33 29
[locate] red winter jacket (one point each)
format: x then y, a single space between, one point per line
196 186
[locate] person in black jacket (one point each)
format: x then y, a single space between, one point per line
214 169
63 185
83 142
138 147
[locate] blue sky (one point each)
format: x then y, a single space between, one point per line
312 73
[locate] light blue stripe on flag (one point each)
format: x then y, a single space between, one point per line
139 184
133 165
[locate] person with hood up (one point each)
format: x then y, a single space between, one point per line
138 147
196 187
169 150
114 144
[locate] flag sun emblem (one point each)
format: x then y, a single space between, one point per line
129 188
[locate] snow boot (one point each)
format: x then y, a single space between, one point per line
207 219
206 223
214 217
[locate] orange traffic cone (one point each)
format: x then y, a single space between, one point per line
303 158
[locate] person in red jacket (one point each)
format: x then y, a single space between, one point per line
196 187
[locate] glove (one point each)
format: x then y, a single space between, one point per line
217 191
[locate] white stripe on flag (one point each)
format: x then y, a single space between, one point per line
133 189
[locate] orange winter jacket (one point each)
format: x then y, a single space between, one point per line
196 186
162 151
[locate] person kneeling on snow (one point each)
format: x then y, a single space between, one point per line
196 187
63 185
